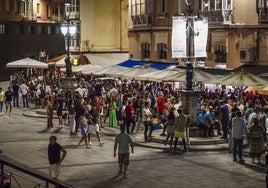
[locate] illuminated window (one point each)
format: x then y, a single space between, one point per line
38 9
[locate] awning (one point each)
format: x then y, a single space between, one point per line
134 63
106 59
253 69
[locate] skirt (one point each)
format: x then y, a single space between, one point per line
180 134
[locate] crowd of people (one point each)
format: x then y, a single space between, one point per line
142 105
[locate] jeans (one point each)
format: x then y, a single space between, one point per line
171 136
129 121
25 100
16 100
238 143
147 124
1 106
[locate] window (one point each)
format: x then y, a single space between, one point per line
162 7
49 29
39 29
220 53
262 7
16 5
32 29
38 11
178 7
145 51
44 29
23 7
138 7
7 6
48 11
3 29
162 51
20 29
53 29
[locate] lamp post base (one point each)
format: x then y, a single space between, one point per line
68 84
190 104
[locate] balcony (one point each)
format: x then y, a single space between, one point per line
141 20
214 16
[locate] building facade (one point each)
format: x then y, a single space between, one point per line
104 26
30 28
236 34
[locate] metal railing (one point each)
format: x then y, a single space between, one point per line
5 161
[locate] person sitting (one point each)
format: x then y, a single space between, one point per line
211 121
202 124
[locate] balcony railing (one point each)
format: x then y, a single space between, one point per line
44 181
214 16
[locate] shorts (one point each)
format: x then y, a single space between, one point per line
59 112
123 158
94 128
54 170
84 129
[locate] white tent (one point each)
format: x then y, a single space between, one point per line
111 70
106 59
134 72
27 63
89 68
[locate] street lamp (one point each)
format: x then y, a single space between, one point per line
190 33
68 30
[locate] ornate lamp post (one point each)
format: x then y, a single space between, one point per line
190 96
68 30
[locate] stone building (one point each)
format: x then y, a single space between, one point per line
237 31
30 28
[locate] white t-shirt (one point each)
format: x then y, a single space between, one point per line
266 125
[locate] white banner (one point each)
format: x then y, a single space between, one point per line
178 39
200 38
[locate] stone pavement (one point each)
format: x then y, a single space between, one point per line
197 143
25 140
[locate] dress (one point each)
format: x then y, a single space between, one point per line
180 126
112 115
256 146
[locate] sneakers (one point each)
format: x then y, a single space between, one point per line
89 144
79 144
101 144
125 175
241 161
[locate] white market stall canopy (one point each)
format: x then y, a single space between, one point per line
110 70
107 59
89 68
27 63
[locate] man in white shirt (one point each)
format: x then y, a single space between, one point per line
24 92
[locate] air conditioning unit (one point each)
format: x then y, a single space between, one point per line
248 55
